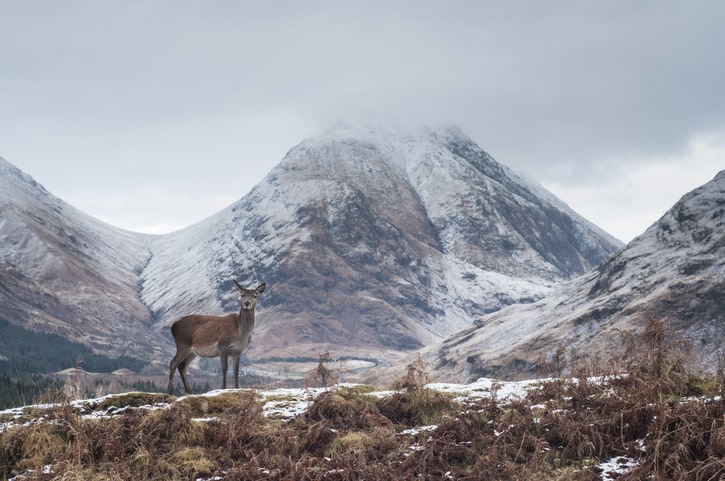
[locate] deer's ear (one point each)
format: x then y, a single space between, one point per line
260 289
241 289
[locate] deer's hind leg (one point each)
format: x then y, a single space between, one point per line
172 368
180 363
182 371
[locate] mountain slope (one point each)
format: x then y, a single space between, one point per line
64 272
374 242
674 270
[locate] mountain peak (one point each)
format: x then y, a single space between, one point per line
394 235
391 134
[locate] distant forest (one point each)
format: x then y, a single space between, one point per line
23 351
26 355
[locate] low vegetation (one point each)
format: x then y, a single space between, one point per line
657 421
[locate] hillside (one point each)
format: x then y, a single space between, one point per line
674 271
66 273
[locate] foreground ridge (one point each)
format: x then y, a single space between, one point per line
576 428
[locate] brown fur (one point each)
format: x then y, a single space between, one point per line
212 336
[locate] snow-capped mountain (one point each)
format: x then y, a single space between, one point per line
676 269
373 242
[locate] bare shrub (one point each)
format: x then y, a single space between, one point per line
416 376
657 361
415 403
553 364
321 376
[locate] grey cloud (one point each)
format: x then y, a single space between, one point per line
561 90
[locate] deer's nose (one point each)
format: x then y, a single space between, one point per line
247 304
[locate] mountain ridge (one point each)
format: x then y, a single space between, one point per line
673 271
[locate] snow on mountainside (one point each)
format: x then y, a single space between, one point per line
64 272
676 269
374 241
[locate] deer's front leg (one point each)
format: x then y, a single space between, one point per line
223 358
235 366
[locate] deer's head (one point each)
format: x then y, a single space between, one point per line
249 296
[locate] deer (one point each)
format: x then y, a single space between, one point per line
212 336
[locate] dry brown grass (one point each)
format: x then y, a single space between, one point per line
560 431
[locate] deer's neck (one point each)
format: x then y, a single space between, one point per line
246 319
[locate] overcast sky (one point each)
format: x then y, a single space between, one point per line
153 115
